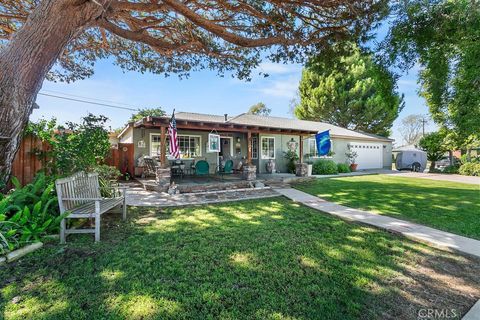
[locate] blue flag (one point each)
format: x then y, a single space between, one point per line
323 142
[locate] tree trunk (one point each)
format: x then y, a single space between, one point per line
25 61
432 166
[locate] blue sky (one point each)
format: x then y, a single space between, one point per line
203 92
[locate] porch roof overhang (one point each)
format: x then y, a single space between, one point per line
158 122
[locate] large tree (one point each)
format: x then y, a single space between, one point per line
345 87
161 36
147 112
412 128
260 109
442 37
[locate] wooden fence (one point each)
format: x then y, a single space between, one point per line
31 158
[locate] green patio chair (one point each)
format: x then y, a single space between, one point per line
227 168
202 168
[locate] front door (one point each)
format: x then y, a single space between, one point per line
225 149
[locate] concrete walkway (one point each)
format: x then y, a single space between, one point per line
411 230
442 177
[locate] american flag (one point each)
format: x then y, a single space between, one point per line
172 133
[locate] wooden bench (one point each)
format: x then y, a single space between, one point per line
80 195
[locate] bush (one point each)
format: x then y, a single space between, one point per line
470 169
343 168
324 166
450 169
28 213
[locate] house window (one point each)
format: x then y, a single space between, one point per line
268 148
312 147
255 147
155 142
190 146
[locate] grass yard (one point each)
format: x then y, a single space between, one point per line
262 259
449 206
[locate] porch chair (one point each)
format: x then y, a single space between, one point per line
202 168
150 167
226 169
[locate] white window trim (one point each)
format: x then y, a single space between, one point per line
261 147
255 158
178 135
151 140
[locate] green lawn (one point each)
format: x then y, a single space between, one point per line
262 259
449 206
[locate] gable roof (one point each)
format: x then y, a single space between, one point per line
247 119
251 120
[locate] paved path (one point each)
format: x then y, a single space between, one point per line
137 196
411 230
442 177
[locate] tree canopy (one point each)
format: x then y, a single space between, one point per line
173 36
434 145
443 38
147 112
411 128
260 109
345 87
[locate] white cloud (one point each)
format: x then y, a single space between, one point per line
278 68
286 87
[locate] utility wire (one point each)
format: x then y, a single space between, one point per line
85 101
88 98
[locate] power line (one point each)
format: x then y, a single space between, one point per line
85 101
83 97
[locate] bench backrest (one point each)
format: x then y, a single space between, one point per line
79 186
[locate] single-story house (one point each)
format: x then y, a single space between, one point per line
248 138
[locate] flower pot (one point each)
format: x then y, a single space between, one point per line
353 167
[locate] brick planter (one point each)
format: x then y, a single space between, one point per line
301 169
249 172
162 177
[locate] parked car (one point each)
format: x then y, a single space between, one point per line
445 162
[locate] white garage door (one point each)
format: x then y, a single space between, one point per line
370 155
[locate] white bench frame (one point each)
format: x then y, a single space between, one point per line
80 195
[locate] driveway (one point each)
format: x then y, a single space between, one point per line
442 177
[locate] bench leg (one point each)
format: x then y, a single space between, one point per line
124 208
97 227
63 226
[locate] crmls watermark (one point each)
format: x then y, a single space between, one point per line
438 314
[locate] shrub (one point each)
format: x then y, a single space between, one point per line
28 213
291 157
470 169
324 166
343 168
450 169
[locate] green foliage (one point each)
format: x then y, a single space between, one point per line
434 145
450 169
260 109
351 156
345 87
28 213
324 166
343 168
442 36
292 158
470 169
147 112
107 179
74 147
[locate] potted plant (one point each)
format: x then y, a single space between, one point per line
351 156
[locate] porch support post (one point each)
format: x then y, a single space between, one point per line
163 149
249 147
301 149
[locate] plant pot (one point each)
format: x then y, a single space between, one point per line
353 167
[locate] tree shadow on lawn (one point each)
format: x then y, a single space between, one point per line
264 259
451 207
